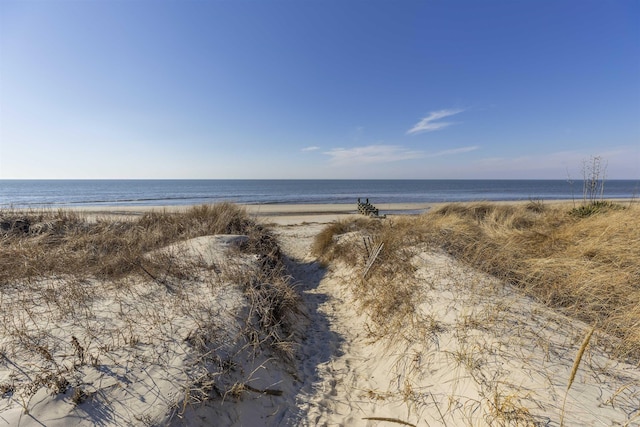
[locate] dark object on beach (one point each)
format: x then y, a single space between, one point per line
368 209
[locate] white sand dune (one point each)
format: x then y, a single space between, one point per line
129 346
477 354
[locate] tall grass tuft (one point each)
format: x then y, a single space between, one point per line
574 369
388 292
44 243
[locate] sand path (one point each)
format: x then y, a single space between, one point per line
330 354
325 337
346 374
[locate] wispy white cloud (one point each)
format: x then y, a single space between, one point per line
371 154
385 154
454 151
312 148
430 123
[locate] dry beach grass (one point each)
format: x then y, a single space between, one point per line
470 314
479 350
585 265
40 243
156 305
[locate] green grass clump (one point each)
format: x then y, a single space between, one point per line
594 208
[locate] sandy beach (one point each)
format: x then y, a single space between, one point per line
290 214
282 214
477 352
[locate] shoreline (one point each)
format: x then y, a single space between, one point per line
280 214
290 214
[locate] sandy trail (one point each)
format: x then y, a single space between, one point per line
325 339
346 374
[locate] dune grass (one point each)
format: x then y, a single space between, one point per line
62 268
583 261
45 244
390 292
41 243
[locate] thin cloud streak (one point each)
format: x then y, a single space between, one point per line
313 148
385 154
429 124
371 154
454 151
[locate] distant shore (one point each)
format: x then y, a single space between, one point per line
282 214
288 214
82 194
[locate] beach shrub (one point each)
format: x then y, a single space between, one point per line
331 243
594 171
593 208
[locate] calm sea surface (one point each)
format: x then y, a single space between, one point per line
63 193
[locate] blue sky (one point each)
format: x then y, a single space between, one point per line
318 89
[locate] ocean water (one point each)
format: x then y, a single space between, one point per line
66 193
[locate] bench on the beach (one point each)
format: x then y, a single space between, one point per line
368 209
